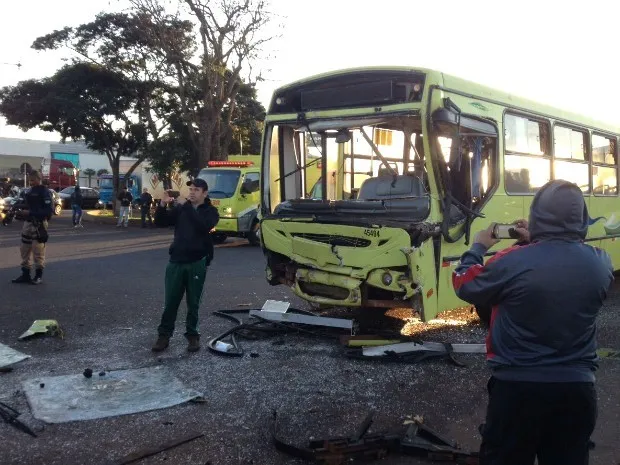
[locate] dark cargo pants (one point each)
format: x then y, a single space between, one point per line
188 279
548 421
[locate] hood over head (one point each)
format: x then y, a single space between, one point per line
558 211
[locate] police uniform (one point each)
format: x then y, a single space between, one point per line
34 233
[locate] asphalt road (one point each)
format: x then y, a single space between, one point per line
105 288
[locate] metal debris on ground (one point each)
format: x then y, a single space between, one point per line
9 356
122 392
416 351
275 318
10 416
416 440
149 451
50 327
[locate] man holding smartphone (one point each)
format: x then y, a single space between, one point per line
545 295
191 253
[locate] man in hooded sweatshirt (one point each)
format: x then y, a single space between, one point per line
544 294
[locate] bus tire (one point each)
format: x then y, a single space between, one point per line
252 237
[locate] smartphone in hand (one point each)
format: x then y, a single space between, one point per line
505 231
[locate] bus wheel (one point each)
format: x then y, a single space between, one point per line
254 234
218 238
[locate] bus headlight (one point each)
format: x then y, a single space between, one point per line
386 278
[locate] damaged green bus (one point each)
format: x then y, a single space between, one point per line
412 162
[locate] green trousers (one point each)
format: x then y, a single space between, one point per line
188 279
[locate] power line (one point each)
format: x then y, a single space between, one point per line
19 65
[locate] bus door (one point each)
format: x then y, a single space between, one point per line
466 153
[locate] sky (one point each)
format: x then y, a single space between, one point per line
556 52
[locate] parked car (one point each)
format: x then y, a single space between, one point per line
7 203
90 197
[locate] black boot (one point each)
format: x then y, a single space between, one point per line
38 276
24 278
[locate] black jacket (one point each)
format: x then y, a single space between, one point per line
38 200
76 197
125 198
146 200
192 238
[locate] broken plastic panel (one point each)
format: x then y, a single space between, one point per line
50 327
75 397
10 356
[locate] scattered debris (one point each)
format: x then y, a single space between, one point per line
304 319
10 356
50 327
102 373
608 353
416 351
88 373
10 416
417 440
149 451
122 392
280 319
253 354
277 306
367 341
42 385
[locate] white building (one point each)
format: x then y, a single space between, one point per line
14 152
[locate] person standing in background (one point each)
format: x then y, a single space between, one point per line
146 201
125 198
76 206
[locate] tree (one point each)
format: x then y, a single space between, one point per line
102 171
244 130
89 172
81 101
231 40
123 44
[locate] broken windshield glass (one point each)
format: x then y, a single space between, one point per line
366 161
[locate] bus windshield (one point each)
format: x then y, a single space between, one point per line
222 183
347 167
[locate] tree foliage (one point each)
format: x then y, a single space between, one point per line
81 101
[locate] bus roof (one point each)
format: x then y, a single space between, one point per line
469 88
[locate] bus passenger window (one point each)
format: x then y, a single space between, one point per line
527 160
604 169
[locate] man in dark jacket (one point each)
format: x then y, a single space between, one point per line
36 213
76 206
541 346
191 253
125 198
146 200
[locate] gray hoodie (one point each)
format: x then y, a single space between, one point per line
544 296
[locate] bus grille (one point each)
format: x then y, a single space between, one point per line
342 241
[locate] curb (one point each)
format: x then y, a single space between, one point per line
111 220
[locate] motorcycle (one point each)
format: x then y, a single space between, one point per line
9 208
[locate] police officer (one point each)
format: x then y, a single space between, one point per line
146 200
36 213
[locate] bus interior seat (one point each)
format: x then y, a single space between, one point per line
385 187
